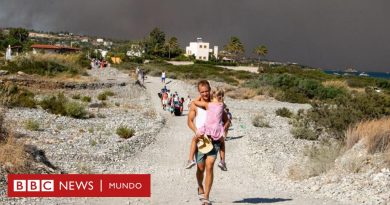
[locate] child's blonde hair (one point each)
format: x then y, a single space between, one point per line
218 93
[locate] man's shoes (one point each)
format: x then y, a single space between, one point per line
222 165
190 164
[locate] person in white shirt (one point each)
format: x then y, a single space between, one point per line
163 77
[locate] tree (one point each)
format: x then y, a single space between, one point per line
172 48
261 51
234 47
2 40
155 42
18 37
20 34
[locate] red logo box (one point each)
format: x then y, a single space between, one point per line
79 185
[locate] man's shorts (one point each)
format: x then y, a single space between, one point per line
165 102
200 157
162 79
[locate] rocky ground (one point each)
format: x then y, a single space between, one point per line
258 158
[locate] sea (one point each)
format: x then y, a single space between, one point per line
385 75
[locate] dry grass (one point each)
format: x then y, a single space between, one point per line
150 114
341 84
374 133
65 59
259 120
13 156
317 159
336 84
242 93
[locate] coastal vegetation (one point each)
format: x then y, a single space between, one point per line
48 64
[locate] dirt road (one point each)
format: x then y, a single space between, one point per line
172 184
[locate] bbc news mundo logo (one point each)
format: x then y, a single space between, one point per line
33 185
79 185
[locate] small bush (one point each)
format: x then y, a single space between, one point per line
55 104
109 93
13 96
31 124
303 128
242 93
86 99
259 121
125 132
13 157
76 96
318 159
75 110
102 96
284 112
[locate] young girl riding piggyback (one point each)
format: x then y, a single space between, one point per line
213 127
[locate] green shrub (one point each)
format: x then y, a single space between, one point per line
41 66
75 110
335 116
296 89
284 112
125 132
13 96
102 96
109 93
86 99
259 121
76 96
31 124
55 104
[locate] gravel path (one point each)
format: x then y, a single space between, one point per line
246 182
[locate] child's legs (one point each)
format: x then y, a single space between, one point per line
222 149
193 148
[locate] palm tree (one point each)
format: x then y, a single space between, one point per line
234 47
261 51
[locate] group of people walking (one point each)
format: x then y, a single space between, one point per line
96 63
171 101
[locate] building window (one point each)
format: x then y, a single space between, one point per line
204 57
205 46
200 46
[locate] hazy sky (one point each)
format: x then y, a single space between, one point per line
332 34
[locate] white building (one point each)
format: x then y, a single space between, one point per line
107 43
201 50
135 51
100 40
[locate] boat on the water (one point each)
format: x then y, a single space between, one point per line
364 74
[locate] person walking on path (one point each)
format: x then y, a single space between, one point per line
163 75
205 162
213 128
